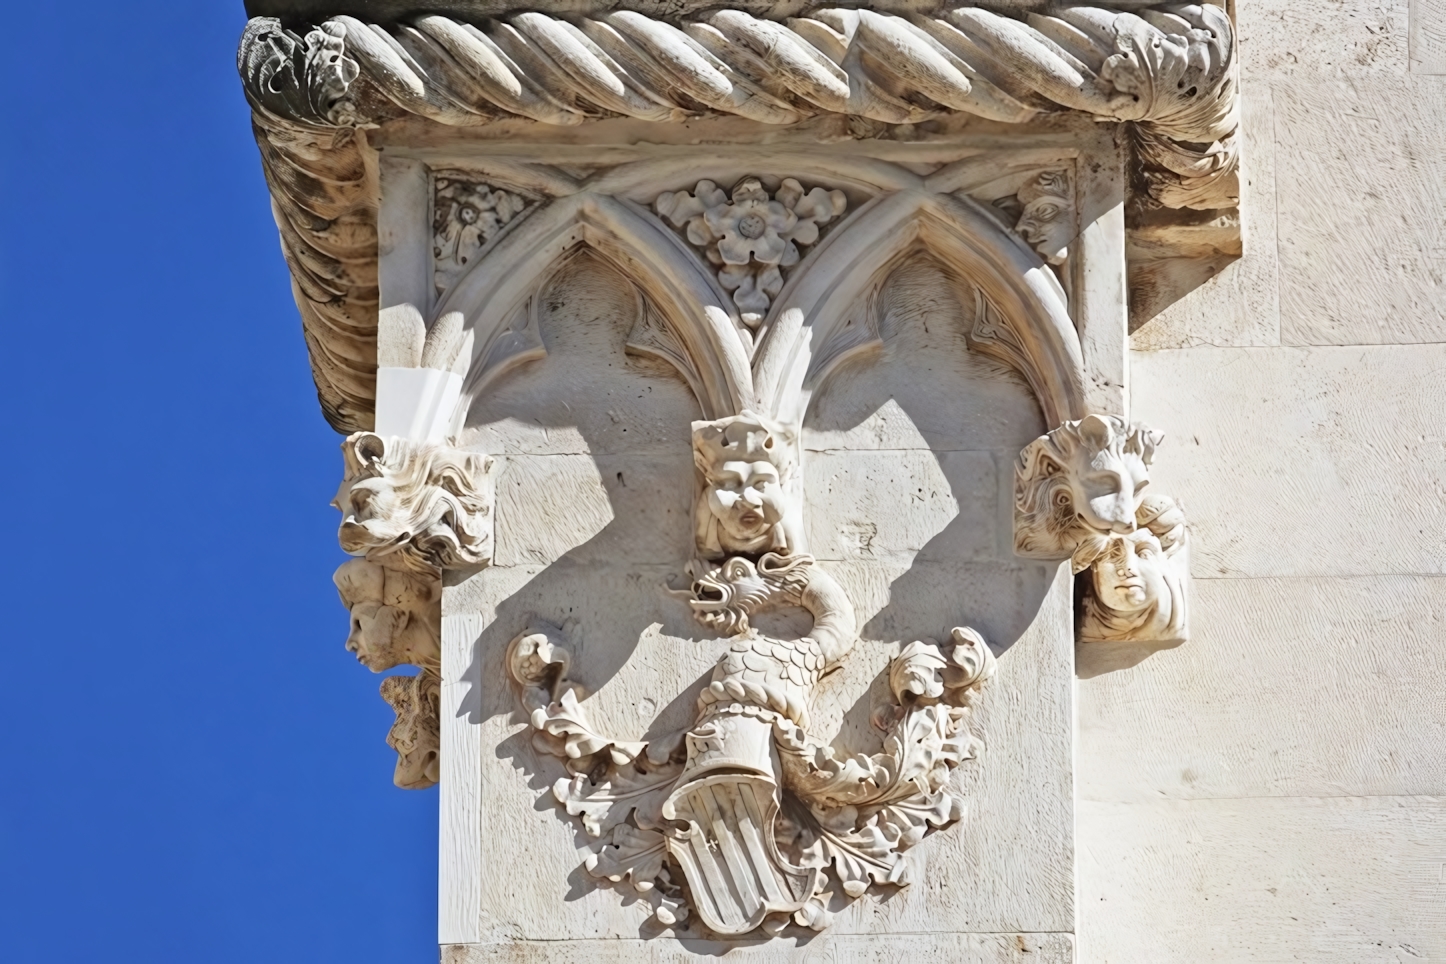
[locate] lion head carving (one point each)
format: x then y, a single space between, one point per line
1086 476
421 505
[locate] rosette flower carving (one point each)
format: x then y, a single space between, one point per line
466 216
750 235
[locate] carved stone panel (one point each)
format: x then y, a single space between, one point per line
684 428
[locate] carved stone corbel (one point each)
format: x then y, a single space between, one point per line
417 733
419 506
1080 494
409 510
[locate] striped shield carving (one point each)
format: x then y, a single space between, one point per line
728 853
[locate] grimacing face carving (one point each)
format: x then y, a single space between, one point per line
745 463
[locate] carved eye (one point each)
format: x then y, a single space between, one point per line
467 214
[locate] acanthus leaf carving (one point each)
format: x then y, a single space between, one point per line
750 235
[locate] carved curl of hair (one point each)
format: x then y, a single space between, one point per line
1046 522
420 504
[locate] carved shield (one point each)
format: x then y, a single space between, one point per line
727 851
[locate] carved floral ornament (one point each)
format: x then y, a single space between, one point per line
1168 72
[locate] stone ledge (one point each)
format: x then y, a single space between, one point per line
956 947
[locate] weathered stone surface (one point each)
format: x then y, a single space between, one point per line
1342 37
1367 649
1340 878
825 949
1297 444
1428 37
1360 199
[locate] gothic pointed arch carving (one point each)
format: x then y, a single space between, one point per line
680 293
763 187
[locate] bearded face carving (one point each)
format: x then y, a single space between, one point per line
417 733
746 504
395 616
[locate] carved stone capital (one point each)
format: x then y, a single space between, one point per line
1167 73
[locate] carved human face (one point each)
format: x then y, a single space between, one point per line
1046 224
1130 575
393 616
747 499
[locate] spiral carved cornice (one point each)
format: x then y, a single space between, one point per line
1169 71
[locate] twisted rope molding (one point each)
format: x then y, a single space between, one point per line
1169 71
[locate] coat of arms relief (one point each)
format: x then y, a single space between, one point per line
748 820
755 270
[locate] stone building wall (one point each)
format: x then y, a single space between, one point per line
1276 789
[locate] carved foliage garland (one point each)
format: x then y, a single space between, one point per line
746 819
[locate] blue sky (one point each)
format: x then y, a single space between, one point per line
196 769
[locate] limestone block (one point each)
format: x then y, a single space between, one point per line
1297 445
1343 878
1361 187
1224 717
1308 37
1240 305
636 643
824 949
885 503
1428 37
623 508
